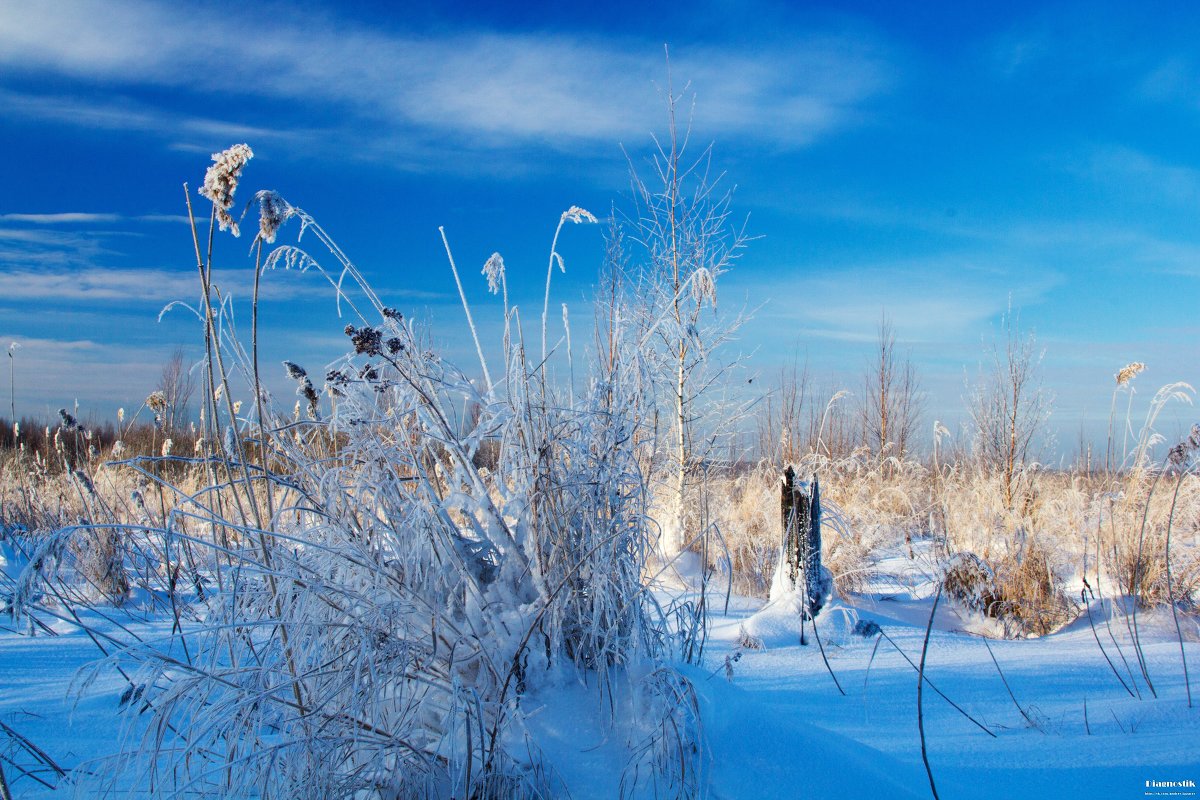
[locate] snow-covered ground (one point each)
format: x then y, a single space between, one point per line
775 723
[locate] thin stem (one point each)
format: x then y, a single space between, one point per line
487 378
920 688
549 273
1171 590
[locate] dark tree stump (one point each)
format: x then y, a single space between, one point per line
800 507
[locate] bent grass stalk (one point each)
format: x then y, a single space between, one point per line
920 690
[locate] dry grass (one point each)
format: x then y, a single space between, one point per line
1023 565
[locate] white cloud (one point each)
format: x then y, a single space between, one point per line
61 218
493 90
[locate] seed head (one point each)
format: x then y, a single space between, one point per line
1129 372
157 402
295 371
366 340
577 214
221 180
273 211
493 270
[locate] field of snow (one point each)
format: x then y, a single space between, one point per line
774 722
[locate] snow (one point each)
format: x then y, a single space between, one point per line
778 727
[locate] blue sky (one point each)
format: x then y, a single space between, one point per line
935 163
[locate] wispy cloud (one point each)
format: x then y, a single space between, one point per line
496 90
929 300
129 115
86 217
65 218
145 285
51 373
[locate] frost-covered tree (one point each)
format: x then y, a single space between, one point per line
682 222
891 403
1008 405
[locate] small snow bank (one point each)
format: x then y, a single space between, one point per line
761 751
778 624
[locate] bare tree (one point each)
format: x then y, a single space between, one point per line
1008 405
779 421
683 224
891 404
177 387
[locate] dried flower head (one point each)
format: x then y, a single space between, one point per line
1129 372
308 393
121 414
493 270
221 180
392 314
157 402
295 371
1177 456
237 406
366 340
577 214
68 421
1180 454
273 211
167 445
335 382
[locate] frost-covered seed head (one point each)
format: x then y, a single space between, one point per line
366 340
493 270
167 445
273 211
295 371
577 214
68 420
221 180
1129 372
157 402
